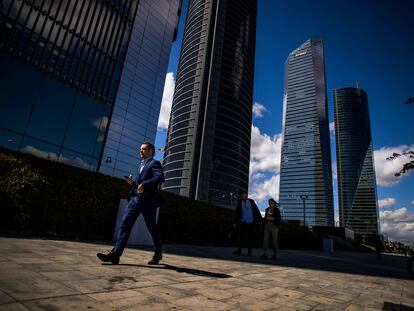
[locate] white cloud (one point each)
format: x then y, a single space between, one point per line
258 110
334 171
398 225
100 123
332 129
257 176
74 161
266 188
167 99
100 138
264 152
40 153
412 202
387 203
386 169
264 165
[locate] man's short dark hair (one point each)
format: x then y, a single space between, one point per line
150 146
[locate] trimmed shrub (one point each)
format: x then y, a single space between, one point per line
296 237
48 198
183 220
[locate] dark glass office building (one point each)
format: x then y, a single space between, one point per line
305 192
358 209
208 143
62 64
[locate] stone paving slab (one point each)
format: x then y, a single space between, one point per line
41 274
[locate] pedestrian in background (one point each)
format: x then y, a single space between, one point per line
246 216
271 224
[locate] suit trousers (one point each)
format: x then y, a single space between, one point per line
270 229
246 236
132 211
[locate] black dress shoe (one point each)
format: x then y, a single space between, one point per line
110 257
155 259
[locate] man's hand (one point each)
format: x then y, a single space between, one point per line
140 188
129 180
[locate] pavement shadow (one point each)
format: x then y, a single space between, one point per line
338 261
389 306
389 265
181 270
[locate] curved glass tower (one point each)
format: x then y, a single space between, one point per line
356 175
306 175
208 142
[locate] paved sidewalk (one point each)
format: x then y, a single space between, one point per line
38 274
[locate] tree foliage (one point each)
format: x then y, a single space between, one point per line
410 153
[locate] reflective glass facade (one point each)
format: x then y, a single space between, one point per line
358 208
208 142
137 104
305 192
61 64
80 43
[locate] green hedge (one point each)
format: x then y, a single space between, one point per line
44 198
41 197
295 237
48 198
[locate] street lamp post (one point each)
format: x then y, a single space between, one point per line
304 197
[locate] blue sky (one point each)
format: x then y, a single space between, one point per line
370 42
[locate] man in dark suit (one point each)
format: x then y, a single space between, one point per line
246 216
145 199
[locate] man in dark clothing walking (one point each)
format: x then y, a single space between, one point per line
246 216
145 200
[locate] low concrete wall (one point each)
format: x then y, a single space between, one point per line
139 234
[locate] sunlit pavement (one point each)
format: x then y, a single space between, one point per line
38 274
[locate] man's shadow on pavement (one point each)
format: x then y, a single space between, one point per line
181 270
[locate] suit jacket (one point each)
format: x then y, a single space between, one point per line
151 177
257 217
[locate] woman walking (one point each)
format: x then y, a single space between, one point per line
271 228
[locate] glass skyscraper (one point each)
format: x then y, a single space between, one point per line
137 106
208 142
305 192
65 67
358 208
